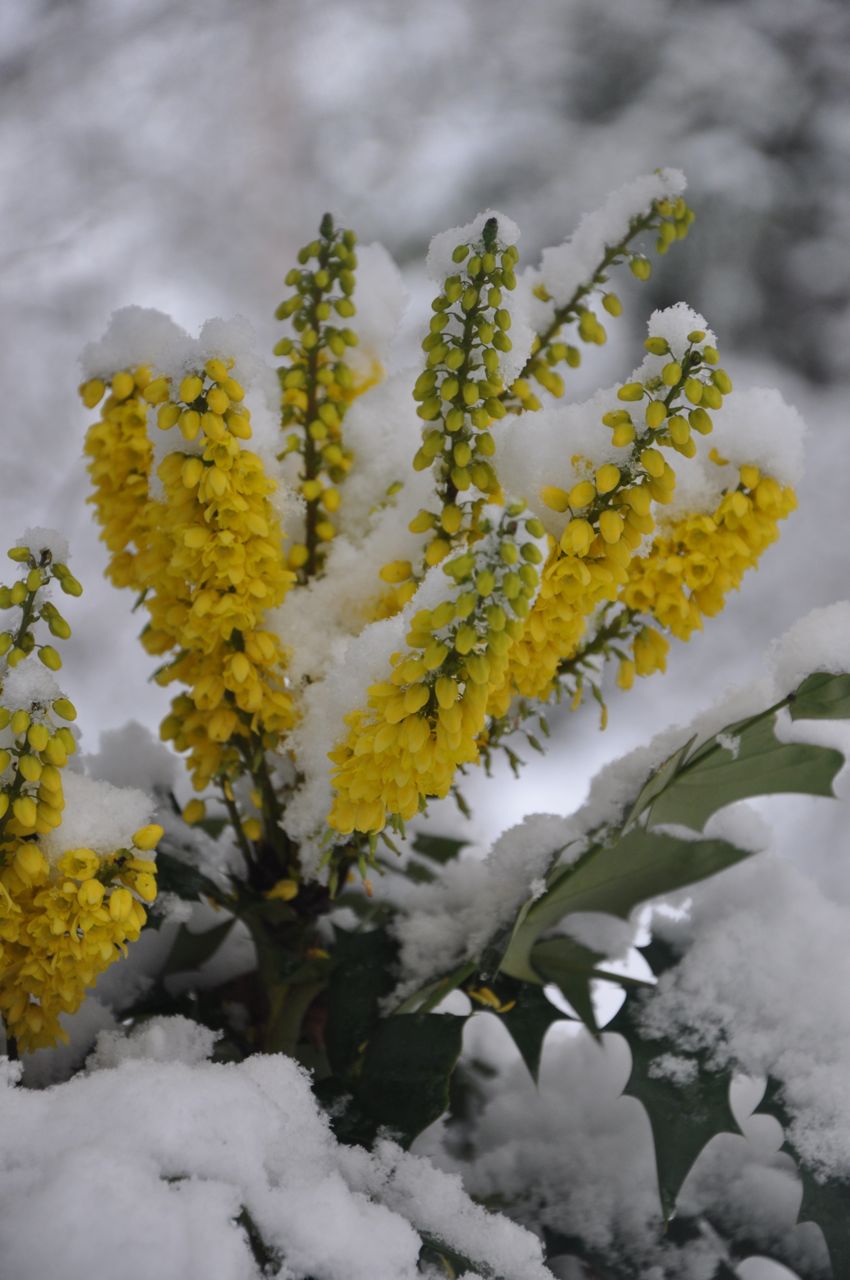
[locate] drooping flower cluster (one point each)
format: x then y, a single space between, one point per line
696 561
61 924
62 921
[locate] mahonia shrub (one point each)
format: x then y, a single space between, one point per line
361 582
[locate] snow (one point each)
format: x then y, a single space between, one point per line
820 641
131 755
139 336
189 1146
29 685
39 540
97 816
162 1039
380 296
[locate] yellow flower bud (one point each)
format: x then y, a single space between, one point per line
611 526
656 414
282 891
607 478
122 385
555 499
582 494
396 571
148 837
195 811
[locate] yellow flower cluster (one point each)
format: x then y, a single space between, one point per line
120 456
609 512
208 556
317 384
694 563
61 925
425 720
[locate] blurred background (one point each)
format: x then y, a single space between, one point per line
176 154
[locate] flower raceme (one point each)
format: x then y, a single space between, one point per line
695 561
62 922
425 720
208 558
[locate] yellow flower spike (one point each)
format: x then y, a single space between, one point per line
148 837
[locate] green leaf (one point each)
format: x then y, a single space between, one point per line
404 1085
614 878
571 967
441 849
362 976
528 1021
659 781
822 696
683 1115
760 765
174 875
191 950
827 1202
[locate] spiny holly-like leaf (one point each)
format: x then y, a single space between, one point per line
571 967
174 875
659 781
361 978
758 764
404 1085
822 696
528 1020
615 878
191 950
440 849
826 1202
684 1113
